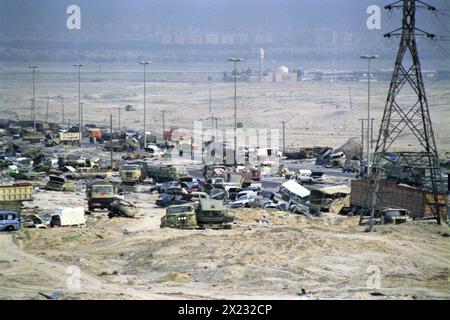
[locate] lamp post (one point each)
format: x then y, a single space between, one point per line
33 113
369 58
235 61
79 99
145 63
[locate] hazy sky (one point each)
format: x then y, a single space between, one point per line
30 24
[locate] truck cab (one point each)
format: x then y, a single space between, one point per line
130 173
100 194
9 221
180 217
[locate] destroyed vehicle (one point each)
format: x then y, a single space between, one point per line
154 151
212 214
100 194
39 222
337 160
69 137
65 217
292 191
122 208
57 183
169 173
180 217
164 187
395 216
215 171
244 201
233 192
196 196
266 194
9 221
299 208
130 173
307 176
352 166
322 198
32 136
215 191
166 200
190 186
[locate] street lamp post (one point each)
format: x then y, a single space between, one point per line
369 58
235 61
145 63
163 123
79 99
34 97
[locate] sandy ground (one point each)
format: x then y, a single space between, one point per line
290 257
316 113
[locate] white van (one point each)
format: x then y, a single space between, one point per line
64 217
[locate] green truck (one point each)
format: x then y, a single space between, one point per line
212 214
164 173
100 194
180 217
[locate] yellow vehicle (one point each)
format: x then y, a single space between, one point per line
130 173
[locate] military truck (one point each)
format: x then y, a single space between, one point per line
395 216
163 173
353 166
181 216
212 214
130 173
32 136
100 194
394 195
57 183
12 196
66 137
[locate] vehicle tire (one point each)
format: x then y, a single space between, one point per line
9 228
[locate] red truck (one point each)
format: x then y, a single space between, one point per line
395 196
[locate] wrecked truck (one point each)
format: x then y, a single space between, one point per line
180 217
212 214
100 194
321 199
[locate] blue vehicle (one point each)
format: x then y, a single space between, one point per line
9 221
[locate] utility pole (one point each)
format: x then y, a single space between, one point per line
62 107
145 64
371 132
235 61
369 58
118 109
46 115
111 138
284 136
33 105
163 122
79 99
404 118
362 138
82 118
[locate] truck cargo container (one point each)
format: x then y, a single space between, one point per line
395 196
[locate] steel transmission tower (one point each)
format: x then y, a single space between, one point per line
406 116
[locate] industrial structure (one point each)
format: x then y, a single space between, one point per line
418 163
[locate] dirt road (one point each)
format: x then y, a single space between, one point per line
267 254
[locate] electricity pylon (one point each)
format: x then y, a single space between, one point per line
407 118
